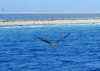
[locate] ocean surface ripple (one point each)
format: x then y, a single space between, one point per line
21 51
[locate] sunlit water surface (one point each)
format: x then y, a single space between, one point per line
21 51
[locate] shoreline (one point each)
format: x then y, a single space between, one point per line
50 21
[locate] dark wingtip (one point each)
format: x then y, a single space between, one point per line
69 33
36 36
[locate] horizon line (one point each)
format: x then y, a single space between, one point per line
45 12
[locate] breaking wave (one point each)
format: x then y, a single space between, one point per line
47 25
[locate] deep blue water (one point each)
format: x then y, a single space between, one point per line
21 51
45 16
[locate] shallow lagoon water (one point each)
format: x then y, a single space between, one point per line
21 51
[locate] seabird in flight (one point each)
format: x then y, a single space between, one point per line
53 44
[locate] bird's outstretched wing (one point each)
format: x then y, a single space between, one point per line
43 40
63 38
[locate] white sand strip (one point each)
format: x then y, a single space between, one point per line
56 21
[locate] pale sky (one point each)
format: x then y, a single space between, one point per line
49 5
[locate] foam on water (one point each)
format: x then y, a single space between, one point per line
48 25
31 26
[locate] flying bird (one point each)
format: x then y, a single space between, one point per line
53 44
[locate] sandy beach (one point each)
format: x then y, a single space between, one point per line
50 21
